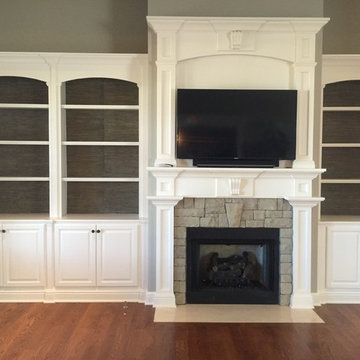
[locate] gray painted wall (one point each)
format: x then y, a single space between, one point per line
342 33
236 7
74 25
120 25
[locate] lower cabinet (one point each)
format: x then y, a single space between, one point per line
96 254
22 251
339 262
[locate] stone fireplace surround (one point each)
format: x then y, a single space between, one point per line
249 186
227 212
234 53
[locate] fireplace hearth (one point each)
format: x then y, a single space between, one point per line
232 265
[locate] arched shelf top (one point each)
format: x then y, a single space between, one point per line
101 91
342 93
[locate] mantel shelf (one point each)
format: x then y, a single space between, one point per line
234 182
226 172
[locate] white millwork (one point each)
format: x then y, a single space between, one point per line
295 185
219 182
232 53
117 255
302 232
338 273
96 255
164 295
75 256
23 258
339 262
54 256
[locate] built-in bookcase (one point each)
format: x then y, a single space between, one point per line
100 146
72 137
341 149
24 145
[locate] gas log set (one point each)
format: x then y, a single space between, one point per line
237 271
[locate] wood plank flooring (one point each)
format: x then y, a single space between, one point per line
102 331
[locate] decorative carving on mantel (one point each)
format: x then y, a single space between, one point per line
234 182
237 40
235 186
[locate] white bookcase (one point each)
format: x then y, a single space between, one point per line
339 225
73 184
100 146
24 145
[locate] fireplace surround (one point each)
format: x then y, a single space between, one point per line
233 53
232 265
233 214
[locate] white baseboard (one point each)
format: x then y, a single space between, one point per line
22 296
160 299
336 297
153 298
55 295
302 301
149 297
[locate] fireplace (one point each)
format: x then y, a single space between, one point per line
243 222
232 266
233 53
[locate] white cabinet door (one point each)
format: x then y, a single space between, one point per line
75 255
343 257
117 255
23 255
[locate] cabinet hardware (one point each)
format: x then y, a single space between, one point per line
93 231
3 231
98 231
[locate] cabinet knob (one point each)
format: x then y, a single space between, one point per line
3 231
93 231
97 230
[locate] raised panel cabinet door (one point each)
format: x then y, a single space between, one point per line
75 255
343 257
117 255
23 255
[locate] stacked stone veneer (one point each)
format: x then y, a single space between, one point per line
251 213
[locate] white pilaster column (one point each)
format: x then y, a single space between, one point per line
166 60
304 78
55 208
164 295
301 295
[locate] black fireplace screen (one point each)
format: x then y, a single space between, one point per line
233 265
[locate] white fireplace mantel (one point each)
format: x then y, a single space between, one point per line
294 185
234 53
234 182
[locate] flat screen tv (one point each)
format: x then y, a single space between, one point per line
236 127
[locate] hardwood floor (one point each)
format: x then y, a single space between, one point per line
102 331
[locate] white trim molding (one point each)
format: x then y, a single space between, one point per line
301 296
164 295
295 185
289 41
340 67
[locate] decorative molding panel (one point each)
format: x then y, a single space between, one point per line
343 257
340 68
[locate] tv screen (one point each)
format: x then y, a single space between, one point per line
244 126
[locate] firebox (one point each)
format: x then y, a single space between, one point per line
232 265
